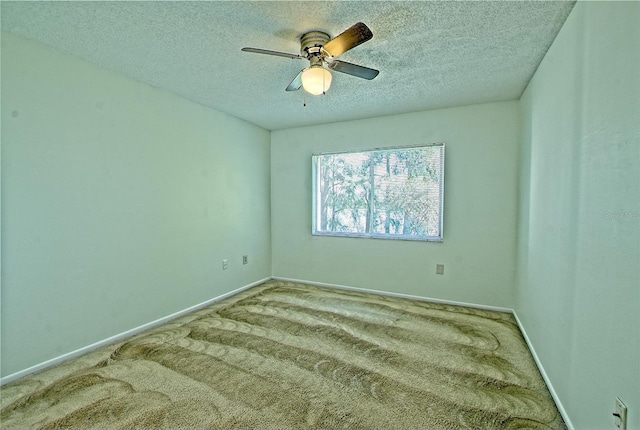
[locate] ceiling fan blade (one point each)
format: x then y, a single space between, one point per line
350 38
296 83
268 52
353 69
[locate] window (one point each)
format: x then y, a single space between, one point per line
391 193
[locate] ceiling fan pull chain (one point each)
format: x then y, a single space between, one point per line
324 85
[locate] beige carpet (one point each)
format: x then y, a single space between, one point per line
285 355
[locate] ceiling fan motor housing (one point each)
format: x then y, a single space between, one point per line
312 42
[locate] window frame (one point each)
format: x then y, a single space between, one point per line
316 196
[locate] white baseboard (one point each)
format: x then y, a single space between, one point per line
545 377
399 295
122 336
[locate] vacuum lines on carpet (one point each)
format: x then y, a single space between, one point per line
286 355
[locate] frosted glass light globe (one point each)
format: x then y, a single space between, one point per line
316 80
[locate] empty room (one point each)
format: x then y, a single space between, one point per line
274 214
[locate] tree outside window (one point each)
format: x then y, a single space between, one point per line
385 193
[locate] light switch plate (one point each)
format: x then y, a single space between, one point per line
620 415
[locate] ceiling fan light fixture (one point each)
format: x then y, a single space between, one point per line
320 50
316 80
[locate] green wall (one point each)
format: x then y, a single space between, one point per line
479 216
578 281
119 202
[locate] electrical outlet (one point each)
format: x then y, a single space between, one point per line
225 264
620 415
439 269
245 259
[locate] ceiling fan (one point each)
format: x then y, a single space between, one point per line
320 49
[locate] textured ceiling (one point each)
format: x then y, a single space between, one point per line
431 54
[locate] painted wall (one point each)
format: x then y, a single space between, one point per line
578 281
480 207
119 203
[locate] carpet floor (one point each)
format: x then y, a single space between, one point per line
285 355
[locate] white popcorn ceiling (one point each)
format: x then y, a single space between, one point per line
431 54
